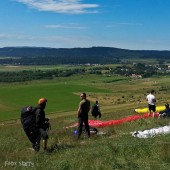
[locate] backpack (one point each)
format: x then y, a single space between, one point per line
28 118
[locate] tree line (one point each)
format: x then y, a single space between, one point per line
28 75
124 70
92 55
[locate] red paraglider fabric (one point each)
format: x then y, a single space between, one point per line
98 123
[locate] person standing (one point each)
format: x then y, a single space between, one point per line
95 111
42 123
35 124
151 103
82 112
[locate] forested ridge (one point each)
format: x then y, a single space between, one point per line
92 55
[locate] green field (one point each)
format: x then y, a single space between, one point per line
62 95
116 149
21 68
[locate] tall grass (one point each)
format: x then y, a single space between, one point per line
117 149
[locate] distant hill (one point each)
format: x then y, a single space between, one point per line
97 55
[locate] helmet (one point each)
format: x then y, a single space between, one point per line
166 105
42 101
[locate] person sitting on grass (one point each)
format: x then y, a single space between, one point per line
166 112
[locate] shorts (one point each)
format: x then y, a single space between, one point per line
152 107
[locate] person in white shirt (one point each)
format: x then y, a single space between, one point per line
151 103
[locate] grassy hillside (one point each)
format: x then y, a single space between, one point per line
115 149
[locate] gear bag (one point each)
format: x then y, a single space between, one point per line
28 118
28 121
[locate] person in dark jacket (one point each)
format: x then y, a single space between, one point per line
42 123
166 112
95 110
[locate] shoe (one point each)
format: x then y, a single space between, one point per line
32 149
36 146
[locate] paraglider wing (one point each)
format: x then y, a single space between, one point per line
97 123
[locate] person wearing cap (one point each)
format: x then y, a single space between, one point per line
82 112
166 112
42 121
151 99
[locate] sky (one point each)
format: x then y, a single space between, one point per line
126 24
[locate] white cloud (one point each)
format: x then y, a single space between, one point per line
61 6
69 26
41 41
124 24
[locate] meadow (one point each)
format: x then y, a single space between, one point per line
113 148
62 95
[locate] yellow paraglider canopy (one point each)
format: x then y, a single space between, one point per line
145 110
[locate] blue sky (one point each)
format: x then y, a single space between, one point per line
127 24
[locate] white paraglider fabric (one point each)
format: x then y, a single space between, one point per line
152 132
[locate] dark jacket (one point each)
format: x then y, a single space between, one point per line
40 117
165 112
